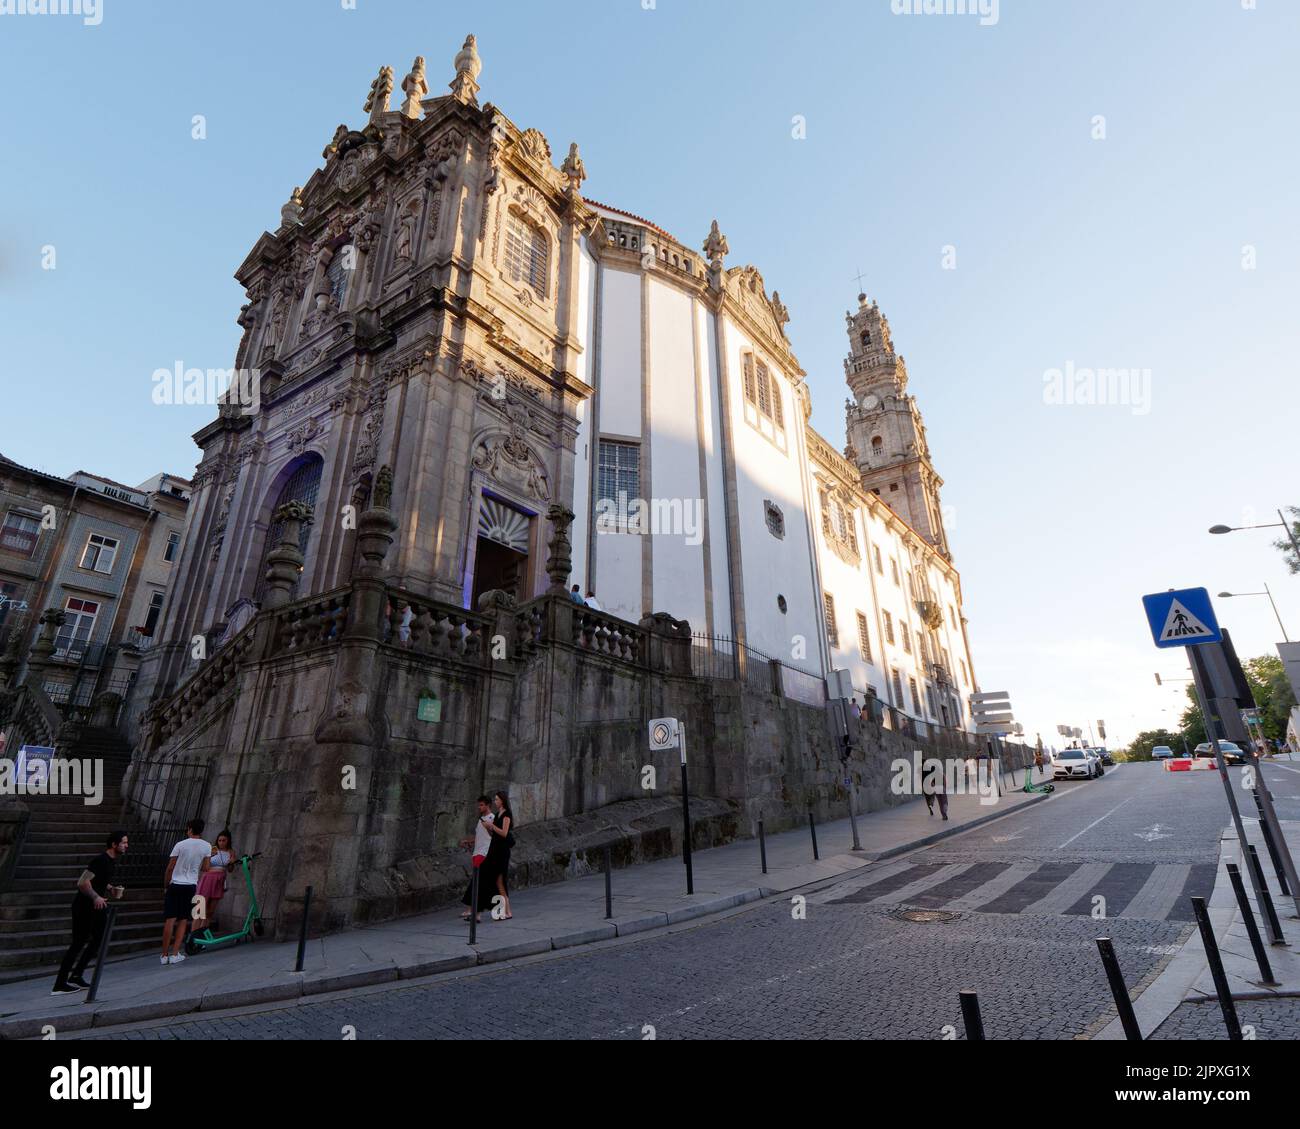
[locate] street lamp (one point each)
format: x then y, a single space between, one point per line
1266 592
1269 525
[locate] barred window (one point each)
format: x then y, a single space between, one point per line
889 627
527 254
864 637
898 688
907 637
832 631
618 473
916 698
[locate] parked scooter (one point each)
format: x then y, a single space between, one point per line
251 928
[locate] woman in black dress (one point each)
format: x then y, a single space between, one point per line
497 867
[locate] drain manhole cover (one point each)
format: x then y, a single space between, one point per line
926 916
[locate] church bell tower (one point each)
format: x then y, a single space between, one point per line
885 431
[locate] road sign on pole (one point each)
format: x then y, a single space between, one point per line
1182 618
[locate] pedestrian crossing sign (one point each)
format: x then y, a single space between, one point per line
1182 618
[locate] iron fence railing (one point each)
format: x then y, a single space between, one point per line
165 793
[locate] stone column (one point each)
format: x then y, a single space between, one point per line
560 563
39 656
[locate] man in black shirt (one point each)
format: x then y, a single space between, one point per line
89 916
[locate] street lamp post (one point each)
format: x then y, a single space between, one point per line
1268 525
1228 595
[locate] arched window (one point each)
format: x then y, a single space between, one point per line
302 485
527 254
876 444
866 338
339 274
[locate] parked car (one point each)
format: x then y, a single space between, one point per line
1232 752
1071 763
1105 756
1161 752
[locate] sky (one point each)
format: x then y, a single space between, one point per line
962 168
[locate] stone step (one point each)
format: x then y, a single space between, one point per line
57 917
18 904
62 934
48 956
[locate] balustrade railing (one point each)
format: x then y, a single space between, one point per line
428 627
607 635
310 622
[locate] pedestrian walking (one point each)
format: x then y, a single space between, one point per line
89 915
932 788
480 843
212 883
190 858
497 866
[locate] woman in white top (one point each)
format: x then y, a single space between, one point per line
212 882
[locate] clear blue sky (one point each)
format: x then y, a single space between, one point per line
921 132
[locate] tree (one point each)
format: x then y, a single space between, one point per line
1288 549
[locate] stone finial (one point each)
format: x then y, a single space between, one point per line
573 170
715 250
779 311
291 212
560 563
415 87
285 561
381 90
464 87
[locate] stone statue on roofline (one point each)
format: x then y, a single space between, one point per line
415 87
381 90
464 87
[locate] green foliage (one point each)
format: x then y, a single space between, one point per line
1284 545
1273 697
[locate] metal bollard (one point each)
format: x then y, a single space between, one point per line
1269 842
1248 916
1216 969
762 846
473 908
609 889
1275 926
970 1015
102 955
1118 990
812 826
302 933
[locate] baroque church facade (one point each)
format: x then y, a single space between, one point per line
443 317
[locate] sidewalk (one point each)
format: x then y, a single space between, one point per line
559 916
1187 977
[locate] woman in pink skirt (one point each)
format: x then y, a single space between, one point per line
212 882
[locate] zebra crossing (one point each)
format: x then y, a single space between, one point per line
1140 890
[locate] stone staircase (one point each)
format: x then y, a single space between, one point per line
63 834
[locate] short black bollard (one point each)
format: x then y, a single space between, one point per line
970 1016
812 826
473 908
1216 969
762 846
1252 930
1274 924
102 955
1273 854
609 889
1118 990
302 933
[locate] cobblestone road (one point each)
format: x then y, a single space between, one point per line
852 967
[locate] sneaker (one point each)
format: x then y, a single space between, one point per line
64 990
164 960
79 982
177 958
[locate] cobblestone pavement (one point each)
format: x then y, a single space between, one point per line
1259 1019
849 965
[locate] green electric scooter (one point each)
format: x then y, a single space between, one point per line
252 926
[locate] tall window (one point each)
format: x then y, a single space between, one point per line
832 631
71 639
889 627
864 637
880 564
155 610
99 554
173 547
893 569
618 473
762 389
907 637
303 486
339 273
916 698
898 689
527 254
20 533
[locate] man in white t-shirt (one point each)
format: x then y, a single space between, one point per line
189 858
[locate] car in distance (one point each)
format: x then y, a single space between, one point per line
1161 752
1105 756
1071 763
1232 752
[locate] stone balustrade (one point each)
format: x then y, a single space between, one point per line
434 628
310 622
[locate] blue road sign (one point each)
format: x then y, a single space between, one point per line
1182 619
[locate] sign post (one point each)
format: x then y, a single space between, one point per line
669 733
1186 619
991 712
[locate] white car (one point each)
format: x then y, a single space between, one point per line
1071 763
1161 752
